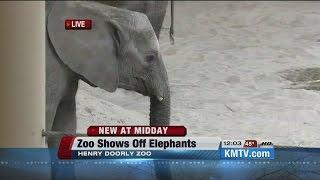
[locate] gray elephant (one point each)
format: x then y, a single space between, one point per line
155 10
120 51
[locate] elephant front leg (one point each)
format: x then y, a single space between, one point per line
64 121
65 117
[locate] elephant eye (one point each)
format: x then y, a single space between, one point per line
150 58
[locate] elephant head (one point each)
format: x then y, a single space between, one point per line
120 51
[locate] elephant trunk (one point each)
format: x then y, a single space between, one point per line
160 110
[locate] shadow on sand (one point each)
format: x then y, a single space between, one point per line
307 78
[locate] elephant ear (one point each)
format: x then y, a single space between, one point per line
90 53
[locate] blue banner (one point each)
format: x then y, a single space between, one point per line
289 163
247 153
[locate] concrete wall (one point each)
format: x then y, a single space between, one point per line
22 73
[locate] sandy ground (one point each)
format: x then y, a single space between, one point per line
224 72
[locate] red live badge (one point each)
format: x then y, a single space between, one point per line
78 24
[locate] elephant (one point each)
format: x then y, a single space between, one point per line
120 51
155 10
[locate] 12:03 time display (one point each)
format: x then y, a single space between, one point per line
232 143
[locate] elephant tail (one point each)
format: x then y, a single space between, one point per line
171 32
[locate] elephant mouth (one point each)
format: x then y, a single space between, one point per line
143 88
140 87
